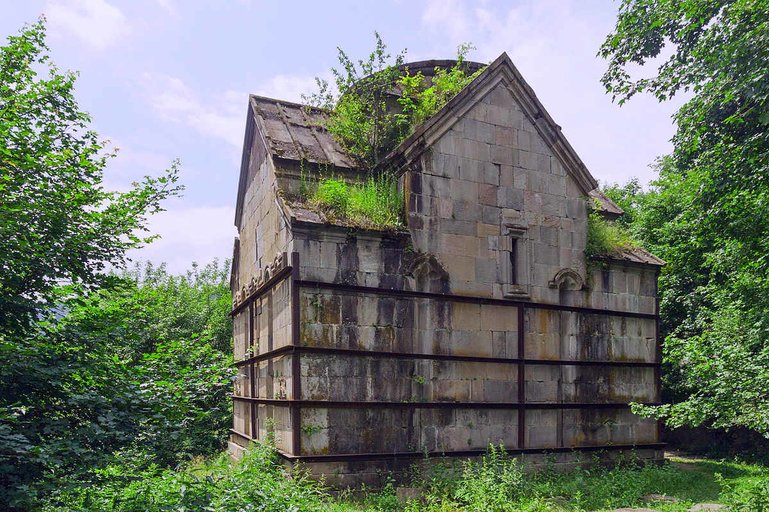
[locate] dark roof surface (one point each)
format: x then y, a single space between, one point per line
608 207
635 255
296 132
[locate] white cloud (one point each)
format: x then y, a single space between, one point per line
189 234
220 116
287 87
96 23
554 43
450 15
169 6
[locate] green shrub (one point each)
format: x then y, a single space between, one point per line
257 482
420 103
752 496
605 237
361 119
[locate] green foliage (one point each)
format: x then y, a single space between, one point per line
373 203
419 103
605 236
364 115
707 214
141 367
57 223
495 482
750 497
333 195
360 118
257 482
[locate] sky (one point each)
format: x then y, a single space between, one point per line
167 79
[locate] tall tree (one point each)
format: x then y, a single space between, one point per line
57 222
708 215
65 396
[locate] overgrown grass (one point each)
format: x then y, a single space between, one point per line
257 482
605 236
495 482
373 203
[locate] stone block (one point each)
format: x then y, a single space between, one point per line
505 175
499 115
485 133
503 155
466 316
505 136
491 173
487 194
471 170
499 318
462 190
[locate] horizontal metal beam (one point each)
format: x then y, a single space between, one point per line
362 404
287 349
343 457
469 299
271 283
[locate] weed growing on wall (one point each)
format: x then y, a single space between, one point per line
373 203
420 103
605 237
367 116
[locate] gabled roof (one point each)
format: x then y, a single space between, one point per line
293 132
297 132
501 71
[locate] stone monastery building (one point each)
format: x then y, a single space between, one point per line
480 321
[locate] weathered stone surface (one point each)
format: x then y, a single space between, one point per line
495 213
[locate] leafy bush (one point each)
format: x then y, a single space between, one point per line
420 103
257 482
363 117
749 497
140 368
605 237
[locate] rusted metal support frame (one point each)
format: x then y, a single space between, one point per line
469 299
296 366
251 369
521 378
343 457
356 404
658 351
438 357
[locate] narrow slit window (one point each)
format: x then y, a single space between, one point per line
514 260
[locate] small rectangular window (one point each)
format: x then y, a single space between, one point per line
514 260
256 249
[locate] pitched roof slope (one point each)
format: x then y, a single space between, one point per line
297 132
294 132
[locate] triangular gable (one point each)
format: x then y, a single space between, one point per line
244 163
501 71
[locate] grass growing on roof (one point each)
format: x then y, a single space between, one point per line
605 236
373 203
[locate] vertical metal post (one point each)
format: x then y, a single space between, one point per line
657 351
296 366
521 379
251 373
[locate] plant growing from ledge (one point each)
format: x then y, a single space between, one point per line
367 115
605 237
375 203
